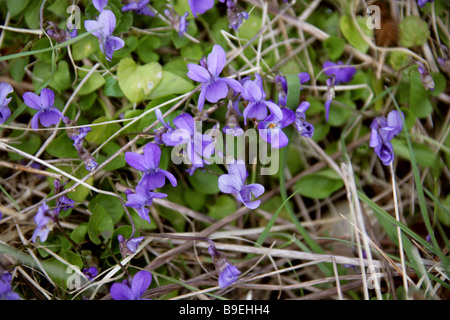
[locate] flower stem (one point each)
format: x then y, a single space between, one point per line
399 233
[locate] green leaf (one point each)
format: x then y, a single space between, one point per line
100 225
62 147
413 31
131 44
440 84
107 151
112 206
339 114
443 213
17 68
59 7
223 207
15 7
146 48
101 133
419 100
112 88
334 46
138 81
319 185
424 155
32 15
81 192
94 82
351 33
195 200
42 72
204 181
171 84
293 91
61 78
85 47
79 233
29 144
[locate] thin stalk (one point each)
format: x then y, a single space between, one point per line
399 232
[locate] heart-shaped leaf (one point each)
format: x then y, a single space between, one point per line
138 81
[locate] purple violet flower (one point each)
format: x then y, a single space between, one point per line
124 291
103 29
141 198
90 272
5 113
47 113
128 246
228 273
179 23
199 146
60 35
342 73
99 4
148 163
163 134
234 183
44 220
6 292
282 96
62 202
207 73
421 3
270 128
383 131
305 128
425 76
235 16
200 6
338 73
254 93
138 6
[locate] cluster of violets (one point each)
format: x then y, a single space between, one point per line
269 117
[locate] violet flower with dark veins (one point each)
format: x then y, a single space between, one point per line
103 29
5 113
134 291
153 177
270 128
234 183
47 113
254 93
207 73
141 198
